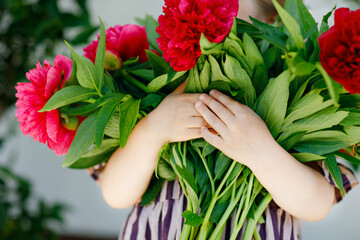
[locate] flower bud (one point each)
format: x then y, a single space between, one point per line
112 61
70 123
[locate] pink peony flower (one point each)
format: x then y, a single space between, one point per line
182 23
125 42
45 127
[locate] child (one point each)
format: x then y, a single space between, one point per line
239 133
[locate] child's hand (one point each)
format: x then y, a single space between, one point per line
176 118
244 136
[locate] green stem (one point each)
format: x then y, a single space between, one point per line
133 80
186 231
204 226
239 223
250 227
257 234
221 224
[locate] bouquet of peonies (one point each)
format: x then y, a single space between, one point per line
301 80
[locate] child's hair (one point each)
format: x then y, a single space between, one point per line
267 7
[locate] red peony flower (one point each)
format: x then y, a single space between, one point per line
182 23
340 49
45 127
125 42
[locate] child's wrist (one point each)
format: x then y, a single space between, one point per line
152 131
267 158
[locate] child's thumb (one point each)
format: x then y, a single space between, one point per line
180 88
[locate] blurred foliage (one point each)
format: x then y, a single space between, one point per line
17 219
29 31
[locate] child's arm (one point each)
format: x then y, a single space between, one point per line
127 174
244 137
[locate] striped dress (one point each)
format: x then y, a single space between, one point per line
162 220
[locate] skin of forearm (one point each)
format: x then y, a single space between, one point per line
295 187
128 172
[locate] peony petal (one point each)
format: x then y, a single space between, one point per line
53 82
340 15
132 42
64 65
53 125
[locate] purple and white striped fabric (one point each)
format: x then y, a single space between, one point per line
162 220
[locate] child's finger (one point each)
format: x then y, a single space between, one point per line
211 138
220 110
211 118
228 102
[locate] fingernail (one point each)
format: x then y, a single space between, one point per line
212 92
202 97
198 104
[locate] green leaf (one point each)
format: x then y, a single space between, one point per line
192 219
208 149
306 106
85 71
324 23
165 171
260 80
352 119
323 142
152 191
66 96
100 57
112 128
84 110
129 111
151 100
159 82
222 164
205 75
187 176
158 64
307 157
348 157
329 83
240 78
107 145
269 33
208 47
291 140
321 120
84 138
84 163
301 14
299 93
253 55
193 85
353 133
218 212
216 73
146 74
225 88
291 25
304 68
150 25
335 172
271 106
103 119
109 83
